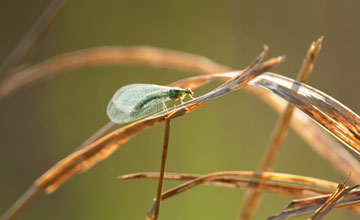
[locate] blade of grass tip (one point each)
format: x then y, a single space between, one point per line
250 72
241 80
255 69
321 142
304 206
332 199
252 196
338 194
317 138
332 115
162 168
30 41
249 69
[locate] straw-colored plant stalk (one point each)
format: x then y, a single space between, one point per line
309 108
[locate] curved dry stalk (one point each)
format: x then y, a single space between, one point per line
103 147
100 149
293 186
232 177
29 42
280 131
338 194
319 140
252 197
336 118
303 206
137 55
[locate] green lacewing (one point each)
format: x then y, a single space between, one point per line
136 101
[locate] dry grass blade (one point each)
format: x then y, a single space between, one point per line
103 147
87 156
329 203
280 131
326 111
141 55
283 184
321 142
32 38
237 178
300 207
252 197
308 63
339 193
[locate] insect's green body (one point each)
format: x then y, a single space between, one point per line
137 101
151 97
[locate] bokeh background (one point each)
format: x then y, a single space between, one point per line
43 123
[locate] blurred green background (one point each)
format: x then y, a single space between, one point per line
42 124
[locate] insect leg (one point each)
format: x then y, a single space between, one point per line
181 100
165 108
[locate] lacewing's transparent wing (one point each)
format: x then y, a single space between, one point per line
124 106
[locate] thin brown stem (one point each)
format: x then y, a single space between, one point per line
32 193
30 41
162 168
280 131
279 183
233 178
252 196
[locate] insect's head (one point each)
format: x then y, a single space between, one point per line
179 93
189 91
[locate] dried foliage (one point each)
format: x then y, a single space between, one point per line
338 194
293 186
272 88
343 196
84 158
253 197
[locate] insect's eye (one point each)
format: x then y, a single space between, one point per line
189 91
172 93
